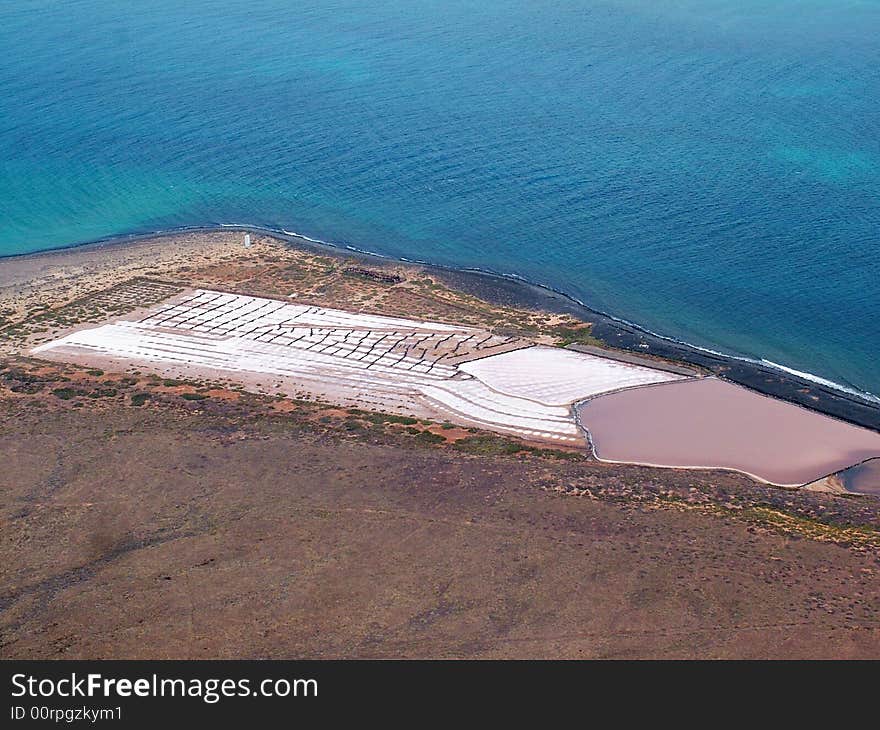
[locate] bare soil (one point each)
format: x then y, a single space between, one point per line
179 529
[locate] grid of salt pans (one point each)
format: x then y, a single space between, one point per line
364 340
224 313
554 376
399 364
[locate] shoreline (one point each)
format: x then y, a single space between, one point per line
810 391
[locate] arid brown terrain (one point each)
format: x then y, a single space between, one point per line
170 533
145 517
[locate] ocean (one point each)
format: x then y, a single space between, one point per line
708 169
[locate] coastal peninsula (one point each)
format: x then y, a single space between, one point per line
214 390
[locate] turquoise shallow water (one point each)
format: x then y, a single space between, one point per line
709 169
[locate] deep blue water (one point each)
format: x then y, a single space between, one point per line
707 168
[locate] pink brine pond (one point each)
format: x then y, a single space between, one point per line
709 423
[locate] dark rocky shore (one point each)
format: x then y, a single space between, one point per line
610 331
630 338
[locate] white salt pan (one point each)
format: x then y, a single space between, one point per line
399 364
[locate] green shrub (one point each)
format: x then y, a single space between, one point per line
427 437
103 393
488 445
65 393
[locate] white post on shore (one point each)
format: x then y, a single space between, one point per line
247 240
